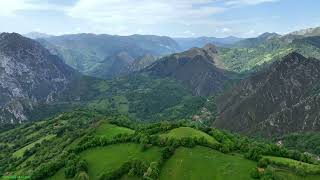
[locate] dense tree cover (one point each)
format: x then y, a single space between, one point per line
309 142
74 133
49 155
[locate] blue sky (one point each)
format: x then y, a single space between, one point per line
176 18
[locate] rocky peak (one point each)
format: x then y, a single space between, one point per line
29 74
268 35
210 48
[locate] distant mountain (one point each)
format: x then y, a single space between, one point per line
307 32
29 75
187 43
98 55
254 42
268 49
198 68
282 99
36 35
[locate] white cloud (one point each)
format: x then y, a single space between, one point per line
226 30
144 11
11 7
247 2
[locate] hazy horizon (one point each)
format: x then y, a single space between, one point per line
174 18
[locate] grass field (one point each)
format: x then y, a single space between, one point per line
110 131
311 168
58 176
182 132
106 159
202 163
283 174
19 153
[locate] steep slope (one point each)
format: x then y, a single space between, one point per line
29 74
197 68
96 54
282 99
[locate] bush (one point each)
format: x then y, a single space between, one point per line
82 176
263 163
254 154
82 166
255 173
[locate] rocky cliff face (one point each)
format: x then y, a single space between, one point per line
29 74
282 99
197 68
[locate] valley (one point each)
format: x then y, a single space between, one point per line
87 105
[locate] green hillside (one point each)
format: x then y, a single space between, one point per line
86 144
138 96
187 132
204 163
246 59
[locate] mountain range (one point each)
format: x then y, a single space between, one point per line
89 106
279 100
44 76
188 43
107 56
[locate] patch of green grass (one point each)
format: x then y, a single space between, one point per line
294 164
127 177
202 163
185 132
19 153
58 176
110 131
29 136
284 174
102 104
106 159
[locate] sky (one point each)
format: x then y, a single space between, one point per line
175 18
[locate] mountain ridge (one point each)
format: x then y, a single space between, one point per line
197 68
275 101
29 74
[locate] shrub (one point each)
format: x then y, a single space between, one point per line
255 173
263 163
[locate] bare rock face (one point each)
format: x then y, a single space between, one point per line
282 99
196 68
28 74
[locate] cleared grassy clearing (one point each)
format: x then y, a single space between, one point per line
110 131
19 153
283 174
290 163
58 176
203 163
186 132
108 158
